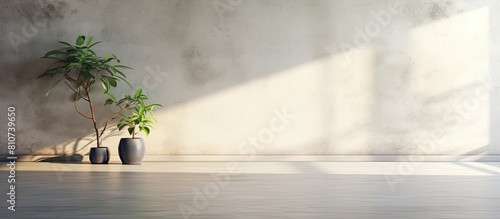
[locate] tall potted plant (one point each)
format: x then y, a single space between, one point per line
80 68
138 119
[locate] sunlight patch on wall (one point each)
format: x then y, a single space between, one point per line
450 58
351 91
327 103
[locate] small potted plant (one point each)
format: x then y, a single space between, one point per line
81 69
138 119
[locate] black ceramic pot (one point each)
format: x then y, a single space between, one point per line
131 150
99 155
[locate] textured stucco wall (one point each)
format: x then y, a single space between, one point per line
339 77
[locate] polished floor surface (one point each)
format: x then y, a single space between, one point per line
221 190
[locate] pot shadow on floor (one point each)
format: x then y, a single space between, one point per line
75 158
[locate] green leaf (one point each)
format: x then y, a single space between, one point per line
80 40
86 76
80 52
71 50
123 66
151 118
111 80
50 72
108 102
146 130
124 80
138 93
106 55
89 40
121 126
93 44
87 65
53 52
111 96
56 58
122 100
74 65
109 71
121 73
113 69
131 130
47 94
65 43
91 51
105 85
78 93
118 60
153 105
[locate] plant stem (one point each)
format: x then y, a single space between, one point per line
110 118
77 110
76 93
93 117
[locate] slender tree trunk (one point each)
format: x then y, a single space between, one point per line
93 118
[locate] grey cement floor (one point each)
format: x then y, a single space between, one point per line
257 190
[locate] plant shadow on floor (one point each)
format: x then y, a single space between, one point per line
75 158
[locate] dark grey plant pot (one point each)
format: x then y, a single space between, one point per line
99 155
131 150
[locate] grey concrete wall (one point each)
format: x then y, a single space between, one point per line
276 77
